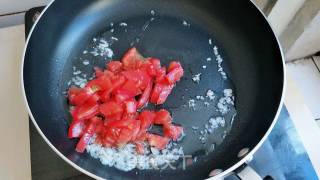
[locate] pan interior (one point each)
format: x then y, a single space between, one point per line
181 32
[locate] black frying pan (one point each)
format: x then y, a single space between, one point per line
252 60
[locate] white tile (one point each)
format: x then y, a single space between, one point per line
11 20
317 60
307 77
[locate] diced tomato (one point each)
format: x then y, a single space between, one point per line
161 74
151 66
98 72
95 120
130 88
142 136
100 127
156 92
76 129
139 77
124 137
157 141
173 65
150 69
139 147
146 119
85 111
143 100
140 63
172 131
117 82
162 117
93 99
79 96
134 126
109 74
131 106
174 75
108 141
105 95
113 93
123 123
130 116
100 84
166 90
130 59
84 140
109 137
110 108
160 93
114 66
120 97
156 63
114 117
72 93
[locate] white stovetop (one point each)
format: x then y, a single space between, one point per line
14 127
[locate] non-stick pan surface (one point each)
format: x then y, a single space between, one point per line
252 60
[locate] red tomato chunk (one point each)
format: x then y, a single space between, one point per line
108 105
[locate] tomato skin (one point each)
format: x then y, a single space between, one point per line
110 108
174 75
172 131
85 111
160 93
163 117
114 66
166 90
155 93
157 141
173 65
89 132
143 100
161 73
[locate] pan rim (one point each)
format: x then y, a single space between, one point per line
219 176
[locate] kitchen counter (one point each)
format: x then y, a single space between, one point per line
14 128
